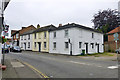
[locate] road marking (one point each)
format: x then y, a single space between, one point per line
17 64
85 63
45 76
113 67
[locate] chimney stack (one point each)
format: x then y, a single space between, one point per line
23 27
60 25
38 26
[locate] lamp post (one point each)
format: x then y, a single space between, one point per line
2 14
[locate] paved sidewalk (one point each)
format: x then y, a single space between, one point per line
16 69
0 74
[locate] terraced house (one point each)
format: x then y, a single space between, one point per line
26 40
74 39
41 38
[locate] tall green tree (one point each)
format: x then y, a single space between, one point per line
106 20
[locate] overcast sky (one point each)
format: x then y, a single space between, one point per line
21 13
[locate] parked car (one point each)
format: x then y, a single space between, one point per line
16 49
117 51
5 49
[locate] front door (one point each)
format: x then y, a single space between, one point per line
86 48
98 48
25 45
39 47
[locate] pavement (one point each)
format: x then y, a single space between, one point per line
0 73
16 69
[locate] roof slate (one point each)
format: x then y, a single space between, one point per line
28 32
45 28
73 25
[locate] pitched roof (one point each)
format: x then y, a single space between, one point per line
15 33
45 28
114 30
22 29
72 25
28 32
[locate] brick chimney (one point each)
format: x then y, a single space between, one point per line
23 27
60 25
38 26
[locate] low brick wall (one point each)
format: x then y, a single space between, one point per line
111 46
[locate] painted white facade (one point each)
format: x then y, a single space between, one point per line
26 42
75 35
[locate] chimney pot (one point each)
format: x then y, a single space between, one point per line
60 25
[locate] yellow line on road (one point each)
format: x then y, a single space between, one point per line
36 70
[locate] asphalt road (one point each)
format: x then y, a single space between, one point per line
60 66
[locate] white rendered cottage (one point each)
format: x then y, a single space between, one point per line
26 40
75 39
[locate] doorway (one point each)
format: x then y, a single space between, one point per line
98 48
86 44
25 45
39 46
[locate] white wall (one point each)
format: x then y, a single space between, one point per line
60 42
85 36
26 41
76 35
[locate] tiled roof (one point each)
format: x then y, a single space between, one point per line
45 28
72 25
114 30
15 33
28 32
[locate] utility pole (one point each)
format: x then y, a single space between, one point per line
3 27
3 5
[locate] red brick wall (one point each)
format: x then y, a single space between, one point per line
111 45
111 37
26 29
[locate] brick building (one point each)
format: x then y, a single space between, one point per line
16 34
111 44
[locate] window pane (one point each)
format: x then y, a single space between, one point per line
54 34
80 44
44 44
44 34
66 32
54 45
66 45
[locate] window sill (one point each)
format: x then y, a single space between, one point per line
66 49
54 49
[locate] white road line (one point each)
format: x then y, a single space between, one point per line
79 63
113 67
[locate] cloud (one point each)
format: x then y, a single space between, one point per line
26 12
